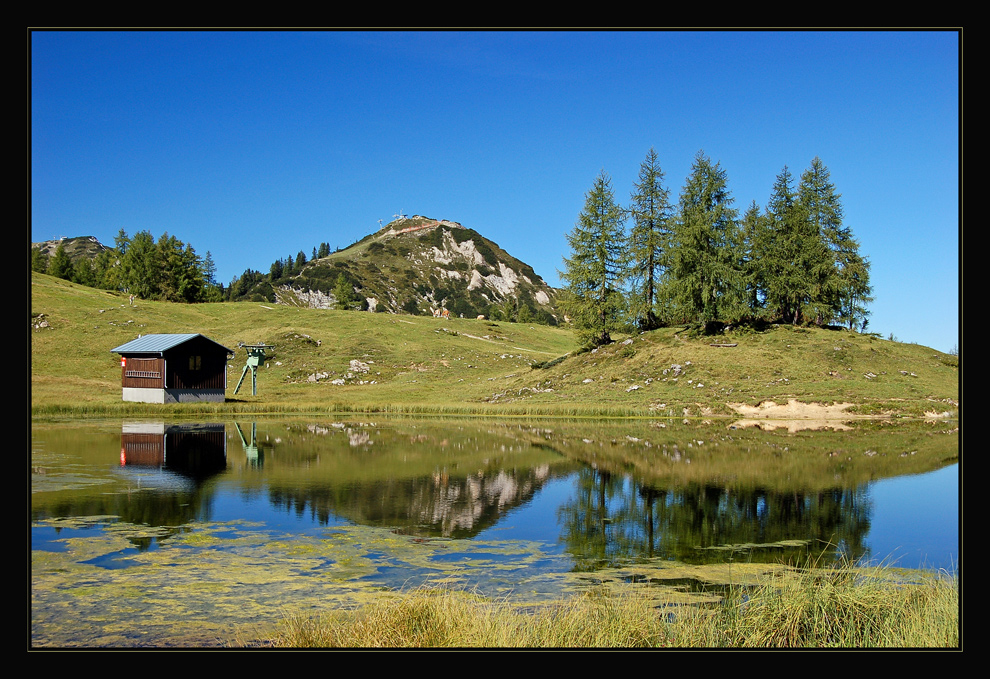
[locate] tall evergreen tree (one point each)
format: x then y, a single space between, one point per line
649 238
209 269
170 269
59 264
83 272
343 291
39 261
140 266
855 291
593 273
844 285
107 269
783 250
706 279
191 281
752 231
121 242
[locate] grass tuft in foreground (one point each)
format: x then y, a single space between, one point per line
816 608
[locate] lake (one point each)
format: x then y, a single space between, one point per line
146 533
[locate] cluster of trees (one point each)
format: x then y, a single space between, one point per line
258 286
166 269
698 263
290 266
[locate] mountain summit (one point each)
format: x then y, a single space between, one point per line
420 266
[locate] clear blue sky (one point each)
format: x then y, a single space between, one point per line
256 145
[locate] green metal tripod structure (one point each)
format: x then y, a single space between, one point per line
250 449
256 356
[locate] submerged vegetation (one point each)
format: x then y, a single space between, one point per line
673 533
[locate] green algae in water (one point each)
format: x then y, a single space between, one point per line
189 584
341 526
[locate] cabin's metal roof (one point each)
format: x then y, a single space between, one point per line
158 343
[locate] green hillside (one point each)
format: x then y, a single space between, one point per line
75 248
413 265
345 360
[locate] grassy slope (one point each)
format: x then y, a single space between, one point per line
423 364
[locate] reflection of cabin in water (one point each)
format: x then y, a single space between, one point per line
173 369
191 449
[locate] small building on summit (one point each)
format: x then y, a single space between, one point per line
180 368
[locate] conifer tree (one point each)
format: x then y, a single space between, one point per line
59 264
706 278
343 291
789 252
140 266
209 269
107 269
752 232
170 268
121 242
593 273
39 261
649 238
192 282
844 284
83 272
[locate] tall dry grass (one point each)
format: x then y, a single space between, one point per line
810 608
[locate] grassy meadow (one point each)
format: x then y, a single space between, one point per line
347 361
326 360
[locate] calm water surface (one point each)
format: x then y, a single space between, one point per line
150 533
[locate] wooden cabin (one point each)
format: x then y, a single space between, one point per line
177 368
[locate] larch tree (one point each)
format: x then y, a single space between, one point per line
752 229
705 263
343 292
649 239
788 253
593 272
844 283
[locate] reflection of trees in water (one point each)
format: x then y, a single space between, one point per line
439 505
614 519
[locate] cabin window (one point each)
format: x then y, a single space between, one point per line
195 362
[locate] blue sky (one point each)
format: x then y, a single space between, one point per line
255 145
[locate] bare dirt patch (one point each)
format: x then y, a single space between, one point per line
794 415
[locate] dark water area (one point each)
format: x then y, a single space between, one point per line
187 530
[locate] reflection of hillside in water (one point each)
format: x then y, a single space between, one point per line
445 505
693 491
451 483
